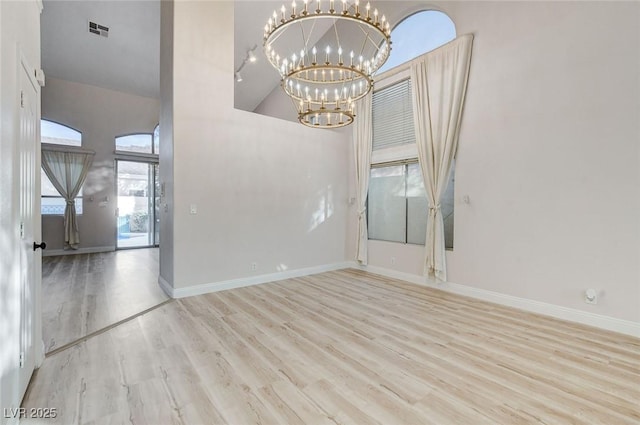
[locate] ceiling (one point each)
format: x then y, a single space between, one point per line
129 59
260 78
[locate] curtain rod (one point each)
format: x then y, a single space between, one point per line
65 148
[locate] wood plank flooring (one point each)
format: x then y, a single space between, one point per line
87 292
342 347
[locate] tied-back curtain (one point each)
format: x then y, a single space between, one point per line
362 139
439 86
67 171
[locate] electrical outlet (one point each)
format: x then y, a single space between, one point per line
193 209
393 261
254 266
591 296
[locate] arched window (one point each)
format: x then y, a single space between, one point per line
56 134
135 143
156 139
397 203
418 34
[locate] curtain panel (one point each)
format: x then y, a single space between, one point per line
67 171
439 84
362 140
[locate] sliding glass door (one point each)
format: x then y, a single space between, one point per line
138 204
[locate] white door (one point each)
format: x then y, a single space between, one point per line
30 228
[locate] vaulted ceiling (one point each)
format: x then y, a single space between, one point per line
128 59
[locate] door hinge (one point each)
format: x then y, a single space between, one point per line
21 99
21 360
21 230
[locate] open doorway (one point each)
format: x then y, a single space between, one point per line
113 101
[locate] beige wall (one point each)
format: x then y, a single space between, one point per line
100 115
268 191
548 155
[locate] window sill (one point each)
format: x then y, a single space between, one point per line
404 243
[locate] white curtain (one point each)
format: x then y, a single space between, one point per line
362 139
67 171
439 84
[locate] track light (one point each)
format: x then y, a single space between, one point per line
251 57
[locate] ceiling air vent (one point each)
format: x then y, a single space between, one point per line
98 29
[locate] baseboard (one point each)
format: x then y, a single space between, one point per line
247 281
89 250
166 287
626 327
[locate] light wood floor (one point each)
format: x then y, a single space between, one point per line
87 292
343 347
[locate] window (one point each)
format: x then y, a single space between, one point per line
398 208
156 139
57 134
392 116
397 205
135 143
418 34
138 211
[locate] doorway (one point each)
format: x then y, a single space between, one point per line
138 214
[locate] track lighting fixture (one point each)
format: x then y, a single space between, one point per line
250 57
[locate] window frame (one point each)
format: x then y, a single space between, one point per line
79 199
407 153
405 164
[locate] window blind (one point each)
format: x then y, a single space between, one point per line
393 116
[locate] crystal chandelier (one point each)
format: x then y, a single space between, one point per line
326 57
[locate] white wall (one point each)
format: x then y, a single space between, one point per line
267 191
548 155
19 25
100 115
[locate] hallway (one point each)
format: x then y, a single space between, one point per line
87 292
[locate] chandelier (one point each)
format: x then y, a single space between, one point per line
326 57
